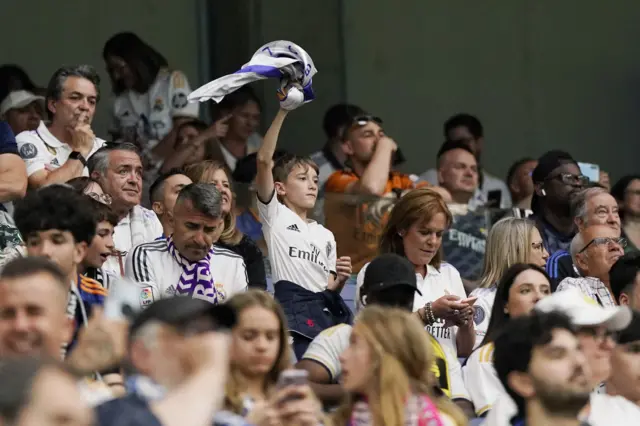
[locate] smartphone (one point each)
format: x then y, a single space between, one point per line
292 378
494 198
469 300
592 171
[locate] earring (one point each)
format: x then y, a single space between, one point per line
543 193
401 234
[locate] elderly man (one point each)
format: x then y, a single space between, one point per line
187 262
58 152
118 169
591 206
594 251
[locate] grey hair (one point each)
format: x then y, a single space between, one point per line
99 161
577 244
56 83
205 197
579 202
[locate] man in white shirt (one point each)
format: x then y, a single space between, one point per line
187 263
58 152
118 170
467 129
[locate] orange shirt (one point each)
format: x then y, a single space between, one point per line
357 220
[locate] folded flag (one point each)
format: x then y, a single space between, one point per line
280 59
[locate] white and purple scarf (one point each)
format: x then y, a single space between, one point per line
196 279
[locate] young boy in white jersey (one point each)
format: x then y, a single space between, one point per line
305 268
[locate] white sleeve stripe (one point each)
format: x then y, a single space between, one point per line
322 362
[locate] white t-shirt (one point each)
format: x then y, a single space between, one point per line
301 252
481 379
326 348
40 150
432 287
152 113
158 273
146 227
605 410
482 311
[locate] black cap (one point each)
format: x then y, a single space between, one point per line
247 167
632 332
547 163
179 310
389 270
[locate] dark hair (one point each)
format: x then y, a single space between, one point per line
284 165
247 167
205 198
102 212
338 116
619 189
56 83
13 77
514 168
81 183
464 120
17 378
514 345
239 98
623 273
99 161
199 125
450 146
144 61
158 185
32 265
55 207
498 317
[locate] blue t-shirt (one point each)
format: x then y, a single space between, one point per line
8 143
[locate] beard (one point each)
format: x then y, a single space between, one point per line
561 400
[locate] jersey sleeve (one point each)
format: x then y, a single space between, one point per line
32 151
178 92
268 212
458 388
138 266
326 348
339 181
241 280
481 380
359 281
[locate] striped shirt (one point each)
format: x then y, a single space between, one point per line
158 273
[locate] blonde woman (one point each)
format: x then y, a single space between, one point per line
217 173
511 240
260 352
386 372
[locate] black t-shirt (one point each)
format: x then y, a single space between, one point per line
253 260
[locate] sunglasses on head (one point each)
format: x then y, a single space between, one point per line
361 121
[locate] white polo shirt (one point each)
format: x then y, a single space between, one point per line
432 287
158 273
326 348
40 150
152 113
301 252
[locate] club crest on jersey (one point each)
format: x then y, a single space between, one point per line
179 100
478 315
28 151
158 105
222 294
146 297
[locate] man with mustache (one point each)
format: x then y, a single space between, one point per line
594 251
118 170
58 152
187 263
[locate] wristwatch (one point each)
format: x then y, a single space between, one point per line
75 155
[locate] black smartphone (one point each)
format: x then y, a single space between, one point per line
494 199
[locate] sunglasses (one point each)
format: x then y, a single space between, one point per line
101 198
622 242
361 121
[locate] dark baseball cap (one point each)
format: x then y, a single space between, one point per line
632 332
387 271
179 310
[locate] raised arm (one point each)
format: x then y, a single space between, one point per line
264 158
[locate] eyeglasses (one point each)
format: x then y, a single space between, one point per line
102 198
571 179
537 247
599 334
622 242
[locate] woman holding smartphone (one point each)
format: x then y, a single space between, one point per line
260 386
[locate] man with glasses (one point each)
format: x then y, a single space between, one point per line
556 179
594 251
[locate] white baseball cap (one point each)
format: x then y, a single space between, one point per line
19 99
583 311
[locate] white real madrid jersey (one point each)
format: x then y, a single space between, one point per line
40 150
158 273
153 112
301 252
482 311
